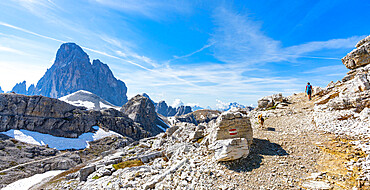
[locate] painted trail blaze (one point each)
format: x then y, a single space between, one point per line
233 132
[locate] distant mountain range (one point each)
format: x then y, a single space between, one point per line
227 107
168 111
73 71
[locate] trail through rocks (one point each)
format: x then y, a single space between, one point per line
289 154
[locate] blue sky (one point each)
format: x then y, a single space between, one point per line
202 52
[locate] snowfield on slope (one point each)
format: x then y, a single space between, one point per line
60 143
26 183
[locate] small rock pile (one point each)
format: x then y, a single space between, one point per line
273 101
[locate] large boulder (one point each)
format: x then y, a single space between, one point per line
360 56
230 136
271 101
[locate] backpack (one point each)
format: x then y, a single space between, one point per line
309 88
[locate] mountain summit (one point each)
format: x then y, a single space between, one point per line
73 71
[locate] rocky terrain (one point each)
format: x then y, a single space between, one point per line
55 117
73 71
317 144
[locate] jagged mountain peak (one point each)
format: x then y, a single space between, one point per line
72 71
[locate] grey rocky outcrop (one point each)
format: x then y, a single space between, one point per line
231 136
141 110
360 56
55 117
20 160
272 101
199 116
73 71
353 91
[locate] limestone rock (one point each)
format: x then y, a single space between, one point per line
231 136
358 57
317 185
86 171
55 117
141 110
271 101
230 149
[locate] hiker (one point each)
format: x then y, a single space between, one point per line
261 120
309 90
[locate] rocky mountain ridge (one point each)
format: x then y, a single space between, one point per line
73 71
55 117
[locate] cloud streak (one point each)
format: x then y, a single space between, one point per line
154 9
240 40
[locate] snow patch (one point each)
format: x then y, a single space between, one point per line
26 183
177 103
60 143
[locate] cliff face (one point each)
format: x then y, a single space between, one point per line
55 117
141 110
354 89
72 71
360 56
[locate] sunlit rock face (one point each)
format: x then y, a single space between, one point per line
73 71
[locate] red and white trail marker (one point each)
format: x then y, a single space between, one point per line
233 132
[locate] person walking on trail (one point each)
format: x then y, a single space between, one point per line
309 90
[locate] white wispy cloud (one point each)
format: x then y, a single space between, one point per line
11 50
29 32
238 39
190 54
154 9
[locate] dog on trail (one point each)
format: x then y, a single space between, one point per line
261 120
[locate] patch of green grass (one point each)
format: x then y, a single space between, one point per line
2 173
96 177
129 163
19 147
272 108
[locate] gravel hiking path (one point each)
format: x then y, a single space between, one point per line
289 150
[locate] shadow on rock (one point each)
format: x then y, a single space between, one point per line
270 129
259 148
